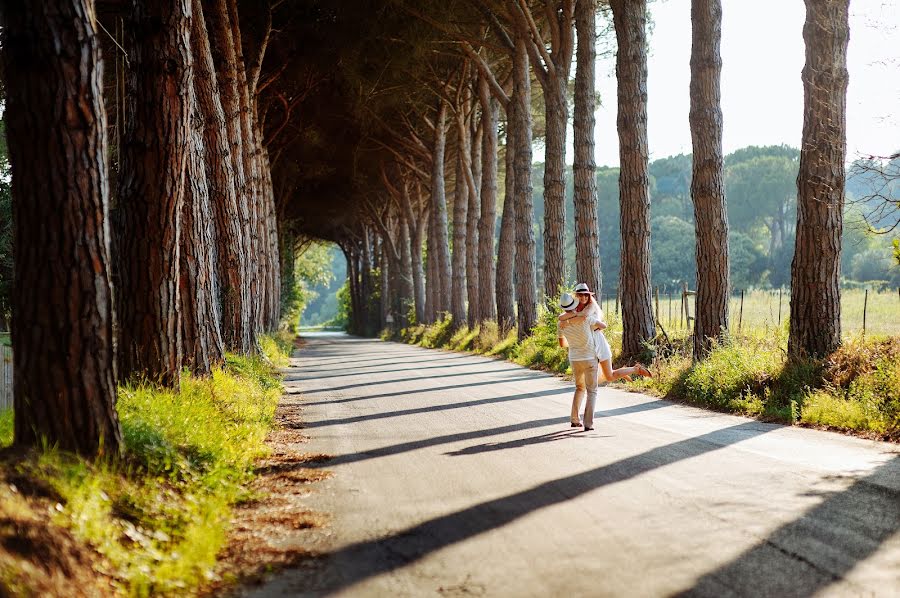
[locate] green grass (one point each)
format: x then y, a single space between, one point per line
857 389
159 516
5 339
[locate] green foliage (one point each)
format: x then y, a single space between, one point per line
342 319
672 245
6 427
159 517
312 267
541 350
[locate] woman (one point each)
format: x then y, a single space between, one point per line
588 308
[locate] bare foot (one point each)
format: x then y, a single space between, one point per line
643 371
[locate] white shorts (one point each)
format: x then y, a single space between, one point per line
602 346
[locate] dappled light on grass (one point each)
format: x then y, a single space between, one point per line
159 516
855 389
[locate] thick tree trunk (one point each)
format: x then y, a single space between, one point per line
63 331
490 110
440 241
460 216
526 283
815 325
231 259
630 20
220 35
557 116
474 210
707 181
506 244
200 316
587 232
260 260
155 148
287 259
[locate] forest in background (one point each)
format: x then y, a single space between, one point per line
761 195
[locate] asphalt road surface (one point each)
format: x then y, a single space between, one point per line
458 475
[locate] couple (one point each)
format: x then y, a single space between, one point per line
580 328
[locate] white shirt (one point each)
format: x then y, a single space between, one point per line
579 337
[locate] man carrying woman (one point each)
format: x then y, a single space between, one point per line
585 313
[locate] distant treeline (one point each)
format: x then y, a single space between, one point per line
761 193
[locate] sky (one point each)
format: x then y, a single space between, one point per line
762 94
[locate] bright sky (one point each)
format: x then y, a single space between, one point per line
762 94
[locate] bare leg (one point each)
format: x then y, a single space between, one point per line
612 375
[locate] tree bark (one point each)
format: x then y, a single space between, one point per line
526 283
708 180
414 228
432 281
506 244
200 315
473 210
155 149
439 241
815 324
587 235
231 259
460 216
630 20
557 116
63 342
490 111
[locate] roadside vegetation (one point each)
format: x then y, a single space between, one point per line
856 389
153 522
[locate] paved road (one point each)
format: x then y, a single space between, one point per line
459 475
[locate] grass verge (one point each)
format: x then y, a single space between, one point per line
153 522
857 389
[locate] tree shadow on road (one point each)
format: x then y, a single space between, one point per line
807 555
432 408
364 560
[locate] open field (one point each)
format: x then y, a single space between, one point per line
770 309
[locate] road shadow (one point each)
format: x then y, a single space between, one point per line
415 368
418 391
358 562
433 408
807 555
509 371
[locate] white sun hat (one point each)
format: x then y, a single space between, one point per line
567 302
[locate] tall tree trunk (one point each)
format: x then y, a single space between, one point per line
259 257
526 283
473 210
587 232
384 274
414 227
490 111
460 216
815 325
231 259
630 21
557 117
432 282
155 148
200 316
270 222
506 244
406 272
440 240
63 343
707 181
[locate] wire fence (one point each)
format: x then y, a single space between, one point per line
865 311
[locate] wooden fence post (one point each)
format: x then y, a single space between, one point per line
865 307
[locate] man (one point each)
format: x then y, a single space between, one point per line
576 334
